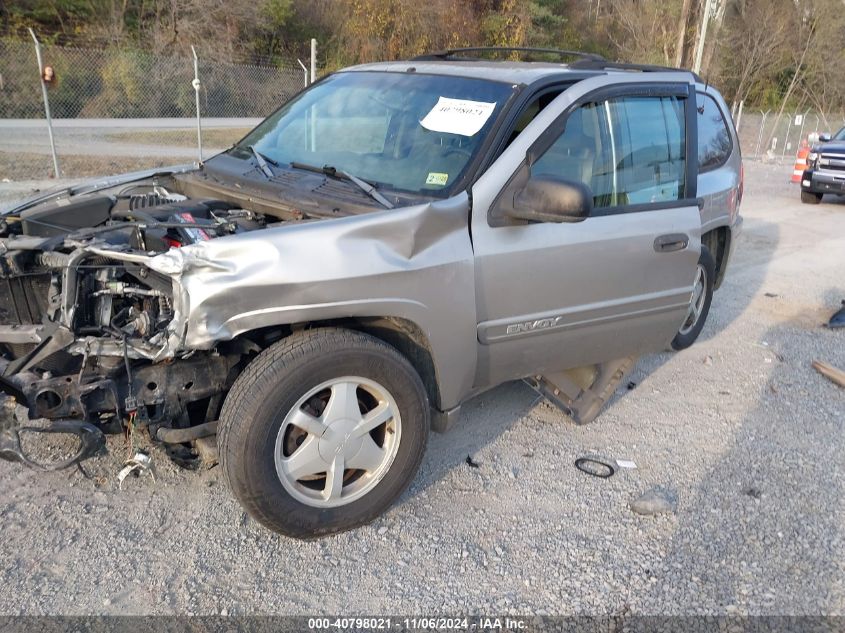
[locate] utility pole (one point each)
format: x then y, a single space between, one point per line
705 20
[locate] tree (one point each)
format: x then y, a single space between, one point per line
642 30
769 53
685 42
753 45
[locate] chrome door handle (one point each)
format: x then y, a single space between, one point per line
671 242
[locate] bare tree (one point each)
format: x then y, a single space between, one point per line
641 30
753 44
822 84
808 33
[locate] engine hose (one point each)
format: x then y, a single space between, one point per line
180 436
133 213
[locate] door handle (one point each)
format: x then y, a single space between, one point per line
671 242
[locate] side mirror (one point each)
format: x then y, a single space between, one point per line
824 138
548 199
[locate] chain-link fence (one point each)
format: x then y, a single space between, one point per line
767 136
119 110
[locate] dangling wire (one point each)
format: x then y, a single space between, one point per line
132 412
129 435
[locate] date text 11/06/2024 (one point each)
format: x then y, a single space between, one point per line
420 623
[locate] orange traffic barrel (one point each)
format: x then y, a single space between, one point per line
800 162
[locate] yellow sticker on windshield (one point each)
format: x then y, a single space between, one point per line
435 178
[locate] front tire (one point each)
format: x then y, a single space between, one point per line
323 431
702 296
808 197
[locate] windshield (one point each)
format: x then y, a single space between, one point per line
840 135
403 131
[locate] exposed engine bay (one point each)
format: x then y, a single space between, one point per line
90 336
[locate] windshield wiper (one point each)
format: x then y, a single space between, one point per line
262 161
333 172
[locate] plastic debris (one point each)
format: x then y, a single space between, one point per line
596 466
626 463
141 462
91 439
838 318
653 502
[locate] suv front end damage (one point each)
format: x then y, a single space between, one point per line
392 241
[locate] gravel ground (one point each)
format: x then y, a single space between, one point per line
739 431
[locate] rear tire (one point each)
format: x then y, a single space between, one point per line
700 304
808 197
291 439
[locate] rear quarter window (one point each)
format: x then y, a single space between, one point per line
714 137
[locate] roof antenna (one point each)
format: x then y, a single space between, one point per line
701 107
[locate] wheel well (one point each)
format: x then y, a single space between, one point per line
404 335
718 242
411 342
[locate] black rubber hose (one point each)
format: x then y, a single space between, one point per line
133 213
180 436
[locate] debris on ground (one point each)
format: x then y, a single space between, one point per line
47 445
596 466
472 463
838 318
834 374
771 295
626 463
139 463
206 449
653 502
777 355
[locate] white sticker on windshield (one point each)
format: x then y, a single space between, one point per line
458 116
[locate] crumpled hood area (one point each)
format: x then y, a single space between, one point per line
350 266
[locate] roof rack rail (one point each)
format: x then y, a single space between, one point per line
590 64
452 52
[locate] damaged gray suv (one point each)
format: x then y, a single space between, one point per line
393 240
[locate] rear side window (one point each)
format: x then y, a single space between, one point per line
714 137
628 150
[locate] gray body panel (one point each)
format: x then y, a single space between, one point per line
718 187
596 288
414 263
720 190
